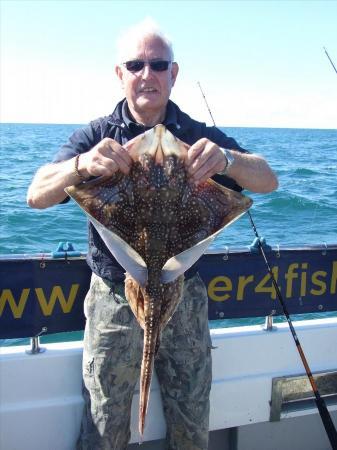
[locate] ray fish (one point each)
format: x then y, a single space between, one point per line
157 225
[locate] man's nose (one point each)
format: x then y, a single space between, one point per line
147 71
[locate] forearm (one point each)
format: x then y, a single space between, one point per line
252 172
47 187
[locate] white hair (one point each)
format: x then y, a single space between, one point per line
146 28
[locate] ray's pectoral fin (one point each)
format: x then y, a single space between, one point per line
126 256
177 265
87 196
217 207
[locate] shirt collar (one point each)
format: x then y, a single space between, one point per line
170 120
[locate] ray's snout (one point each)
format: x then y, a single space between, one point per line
158 143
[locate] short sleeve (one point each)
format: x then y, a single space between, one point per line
81 141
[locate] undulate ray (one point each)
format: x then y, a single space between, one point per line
156 224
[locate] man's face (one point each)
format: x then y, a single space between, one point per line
148 91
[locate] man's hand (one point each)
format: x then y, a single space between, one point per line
106 158
204 159
47 187
250 171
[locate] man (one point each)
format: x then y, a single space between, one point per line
113 339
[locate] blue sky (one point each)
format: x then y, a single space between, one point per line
261 63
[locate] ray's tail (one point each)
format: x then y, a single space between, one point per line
151 344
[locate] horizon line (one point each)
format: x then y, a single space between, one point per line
219 126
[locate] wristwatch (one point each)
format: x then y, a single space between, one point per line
229 158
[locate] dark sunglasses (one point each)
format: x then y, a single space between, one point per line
159 65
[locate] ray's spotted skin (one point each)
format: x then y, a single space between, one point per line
156 224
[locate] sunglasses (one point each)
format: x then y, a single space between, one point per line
136 65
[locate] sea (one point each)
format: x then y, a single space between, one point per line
303 211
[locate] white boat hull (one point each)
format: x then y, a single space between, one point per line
41 402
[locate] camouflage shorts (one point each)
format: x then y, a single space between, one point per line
113 344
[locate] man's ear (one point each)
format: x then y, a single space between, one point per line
174 72
120 74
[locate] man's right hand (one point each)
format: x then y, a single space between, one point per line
106 158
47 187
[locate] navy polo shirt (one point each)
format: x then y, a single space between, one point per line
121 127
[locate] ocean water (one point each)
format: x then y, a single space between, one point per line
302 211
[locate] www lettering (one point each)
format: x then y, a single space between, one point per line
47 303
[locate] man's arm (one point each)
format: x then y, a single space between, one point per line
250 171
49 182
47 187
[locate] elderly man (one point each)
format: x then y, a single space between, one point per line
113 339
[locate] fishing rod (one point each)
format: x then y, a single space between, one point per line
327 54
321 406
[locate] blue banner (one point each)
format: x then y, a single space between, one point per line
50 292
46 293
241 286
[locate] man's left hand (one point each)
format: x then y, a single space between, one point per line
204 159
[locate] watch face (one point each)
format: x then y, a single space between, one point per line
230 157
